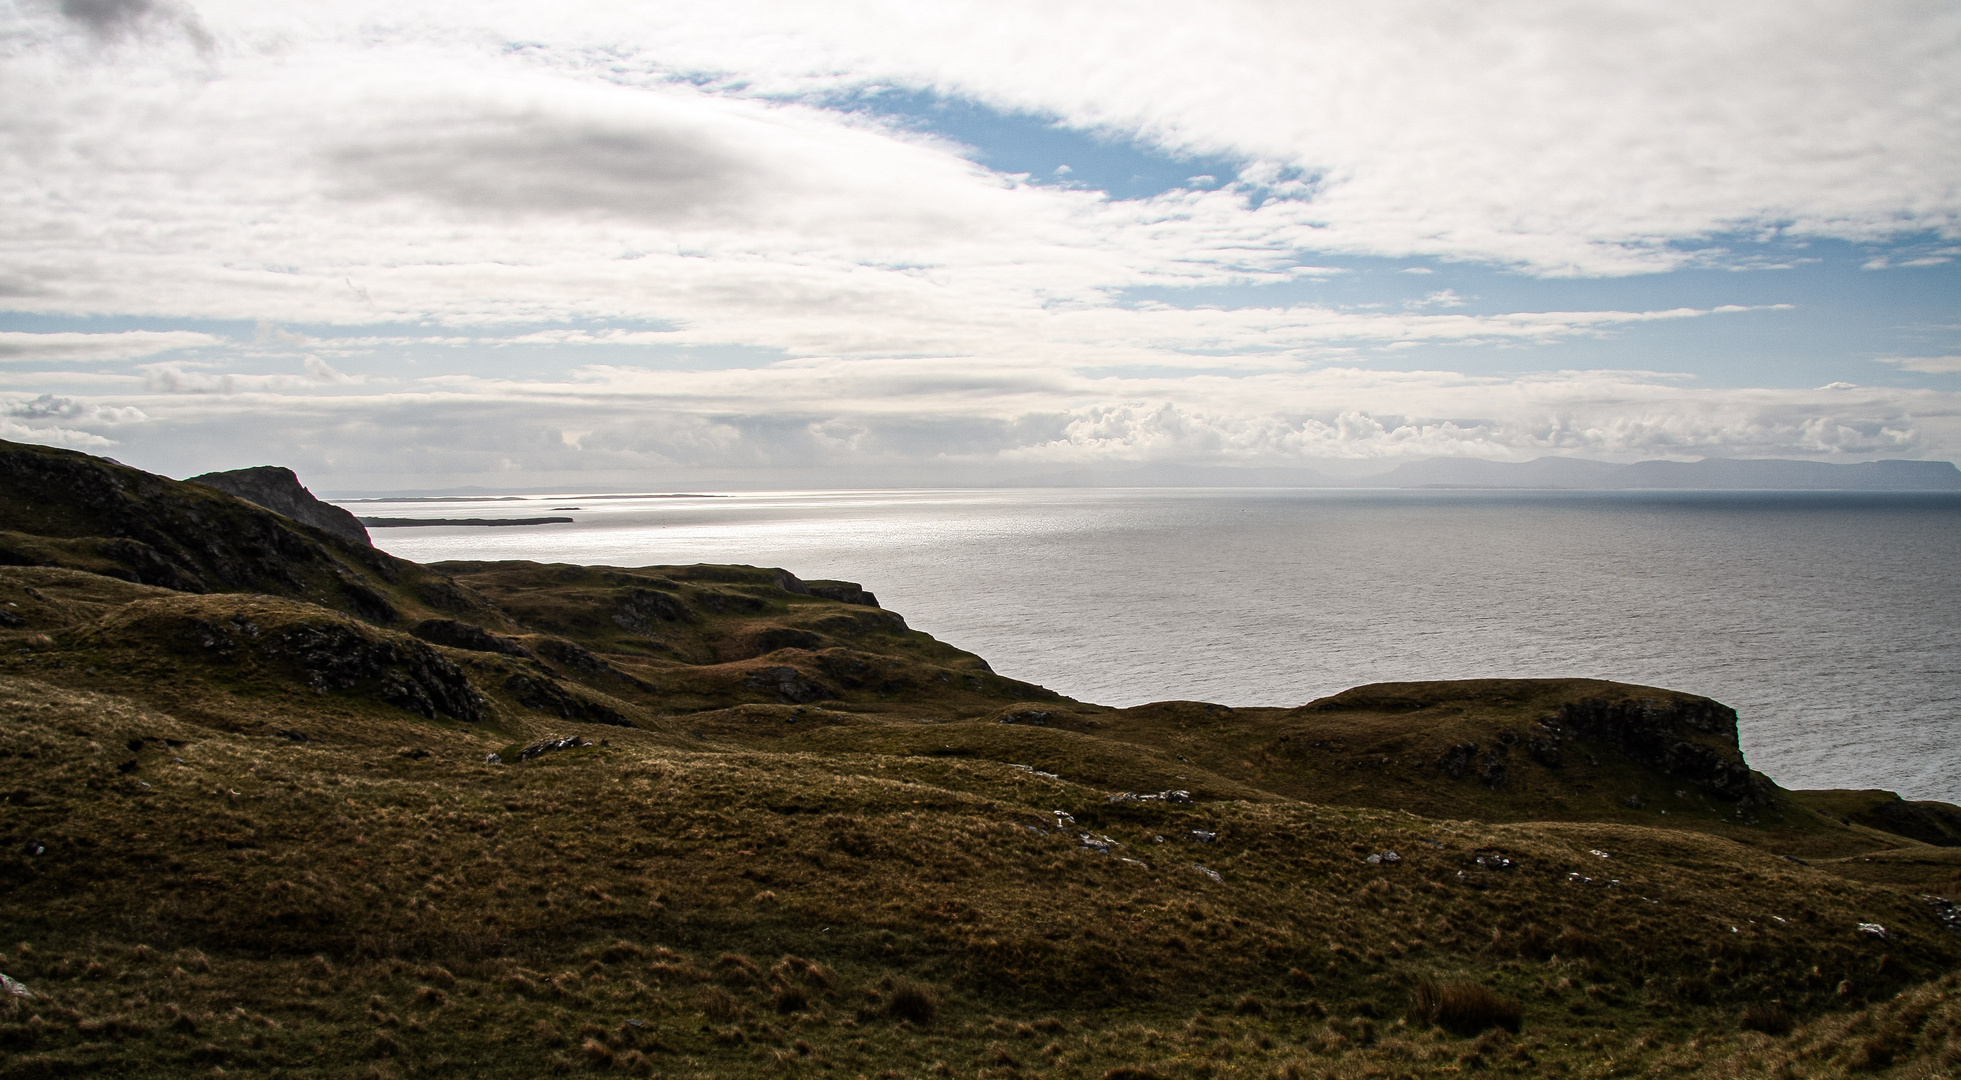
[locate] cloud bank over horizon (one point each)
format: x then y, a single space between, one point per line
506 243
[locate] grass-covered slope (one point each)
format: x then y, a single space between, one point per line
701 637
1504 750
383 900
268 831
1934 823
61 508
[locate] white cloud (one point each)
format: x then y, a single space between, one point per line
1246 335
320 371
51 436
990 419
1930 365
53 407
1565 136
1444 298
646 177
39 420
22 347
180 377
512 161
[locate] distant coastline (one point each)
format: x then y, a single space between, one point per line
409 523
514 498
1539 474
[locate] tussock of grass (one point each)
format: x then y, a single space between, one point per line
1768 1017
1464 1007
913 1002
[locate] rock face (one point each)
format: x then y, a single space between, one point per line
640 610
1515 749
280 491
1674 736
408 675
844 592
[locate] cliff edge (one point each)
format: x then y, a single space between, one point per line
279 490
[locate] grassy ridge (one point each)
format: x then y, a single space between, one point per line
471 919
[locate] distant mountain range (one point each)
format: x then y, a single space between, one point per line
1723 474
1709 474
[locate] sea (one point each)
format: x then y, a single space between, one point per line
1831 621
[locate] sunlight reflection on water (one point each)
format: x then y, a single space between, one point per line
1831 622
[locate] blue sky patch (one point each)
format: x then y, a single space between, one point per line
1050 153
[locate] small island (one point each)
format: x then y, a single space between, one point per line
404 523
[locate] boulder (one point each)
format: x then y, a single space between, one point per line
549 745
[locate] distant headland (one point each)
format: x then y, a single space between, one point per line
1545 473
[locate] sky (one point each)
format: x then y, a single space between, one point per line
587 246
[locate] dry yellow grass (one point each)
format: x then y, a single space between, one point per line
314 908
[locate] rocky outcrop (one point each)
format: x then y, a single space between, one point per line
859 623
462 635
1691 739
263 640
408 675
549 696
844 592
788 685
1457 759
1540 745
639 610
572 655
63 508
280 491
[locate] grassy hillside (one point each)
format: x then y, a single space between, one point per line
67 509
262 833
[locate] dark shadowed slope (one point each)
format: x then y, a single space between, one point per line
279 490
67 509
